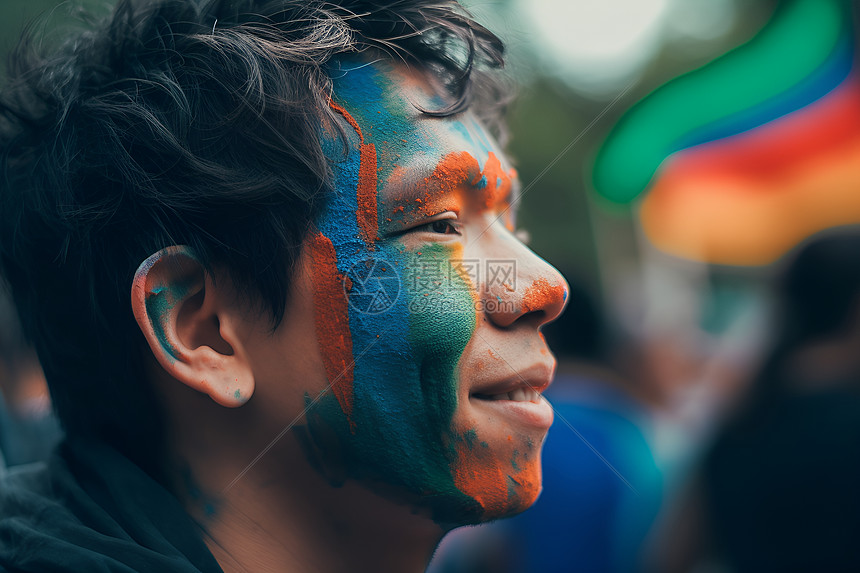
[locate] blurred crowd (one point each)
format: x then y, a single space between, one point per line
676 452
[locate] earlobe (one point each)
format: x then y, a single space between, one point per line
189 325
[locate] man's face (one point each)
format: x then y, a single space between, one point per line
426 308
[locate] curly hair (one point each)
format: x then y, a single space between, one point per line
189 122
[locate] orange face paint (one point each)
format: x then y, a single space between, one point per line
480 475
541 294
349 119
456 179
483 476
496 183
438 190
367 209
331 315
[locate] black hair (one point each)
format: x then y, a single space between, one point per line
190 122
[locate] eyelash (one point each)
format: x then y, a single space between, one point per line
434 227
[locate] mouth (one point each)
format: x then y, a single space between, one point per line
525 394
518 400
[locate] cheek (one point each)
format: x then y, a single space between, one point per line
394 388
501 473
442 319
406 359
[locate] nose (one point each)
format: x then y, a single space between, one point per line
521 287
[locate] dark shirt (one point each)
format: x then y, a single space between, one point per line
90 509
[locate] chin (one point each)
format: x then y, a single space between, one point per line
522 501
458 510
494 478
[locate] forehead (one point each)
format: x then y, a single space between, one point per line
385 99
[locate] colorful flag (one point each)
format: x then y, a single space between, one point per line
752 153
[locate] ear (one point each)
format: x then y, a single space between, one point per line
190 326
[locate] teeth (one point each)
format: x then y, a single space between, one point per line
523 395
518 395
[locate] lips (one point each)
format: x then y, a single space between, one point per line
533 379
518 398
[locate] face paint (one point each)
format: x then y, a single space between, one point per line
331 313
160 298
539 293
392 339
160 301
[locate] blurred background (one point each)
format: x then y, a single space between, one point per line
689 165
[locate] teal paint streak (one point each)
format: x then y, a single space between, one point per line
513 488
159 302
470 436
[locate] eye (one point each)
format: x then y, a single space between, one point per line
439 227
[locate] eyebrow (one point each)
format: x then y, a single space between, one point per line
452 172
456 173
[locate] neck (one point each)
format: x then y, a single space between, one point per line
284 516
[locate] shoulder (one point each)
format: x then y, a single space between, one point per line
23 489
91 509
30 518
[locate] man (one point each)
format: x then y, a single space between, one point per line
265 253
